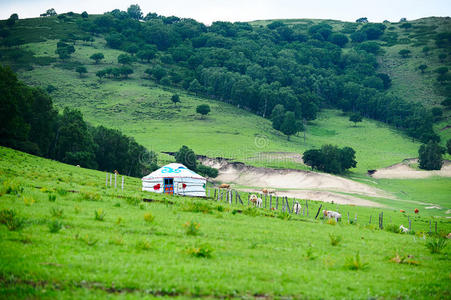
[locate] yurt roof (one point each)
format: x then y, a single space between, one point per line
173 170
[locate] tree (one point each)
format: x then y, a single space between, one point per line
132 49
448 146
97 57
437 112
422 68
339 39
355 118
362 20
330 159
186 156
175 99
430 156
277 116
12 19
203 109
84 15
312 158
446 102
289 125
134 11
49 12
81 70
147 54
404 53
442 57
101 74
124 59
64 50
442 70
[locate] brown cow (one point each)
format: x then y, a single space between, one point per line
224 186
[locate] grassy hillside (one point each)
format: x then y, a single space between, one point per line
256 253
142 109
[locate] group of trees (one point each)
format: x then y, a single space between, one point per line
188 158
260 67
330 159
28 122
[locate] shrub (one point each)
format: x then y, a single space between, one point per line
55 226
99 214
56 212
392 228
436 245
283 215
354 263
309 254
251 211
148 217
61 192
52 197
191 228
11 220
204 251
334 239
143 245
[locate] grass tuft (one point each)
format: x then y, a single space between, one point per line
436 245
148 217
354 263
143 245
191 228
11 220
99 214
202 251
334 239
55 226
56 212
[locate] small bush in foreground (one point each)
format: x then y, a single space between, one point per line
148 217
204 251
99 214
191 228
11 220
392 228
56 212
52 197
334 239
283 215
55 226
354 263
436 245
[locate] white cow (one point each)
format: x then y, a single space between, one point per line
332 214
297 208
403 229
259 202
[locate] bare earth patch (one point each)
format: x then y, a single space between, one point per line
296 183
403 170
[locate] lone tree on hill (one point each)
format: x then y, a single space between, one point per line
430 156
355 118
330 159
362 20
81 70
422 68
404 53
175 99
97 57
203 109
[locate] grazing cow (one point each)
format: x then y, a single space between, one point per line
297 208
224 186
416 210
403 229
257 201
268 191
332 214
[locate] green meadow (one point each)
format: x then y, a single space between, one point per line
72 237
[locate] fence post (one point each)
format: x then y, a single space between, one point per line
115 180
288 205
348 218
306 206
270 202
370 220
106 181
122 186
355 218
277 202
265 199
317 213
111 179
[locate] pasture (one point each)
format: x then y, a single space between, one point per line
107 242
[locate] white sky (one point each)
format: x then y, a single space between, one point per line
207 11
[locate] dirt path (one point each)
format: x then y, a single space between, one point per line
403 170
296 183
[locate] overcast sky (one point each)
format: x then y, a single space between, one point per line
207 11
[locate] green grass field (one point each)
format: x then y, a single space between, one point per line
249 252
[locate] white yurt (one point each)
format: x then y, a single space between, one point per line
175 179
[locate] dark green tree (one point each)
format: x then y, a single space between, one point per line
356 118
175 99
404 53
124 59
134 11
448 146
81 70
278 116
422 68
203 109
430 156
186 156
97 57
84 15
289 125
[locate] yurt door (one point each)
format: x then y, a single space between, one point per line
169 186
